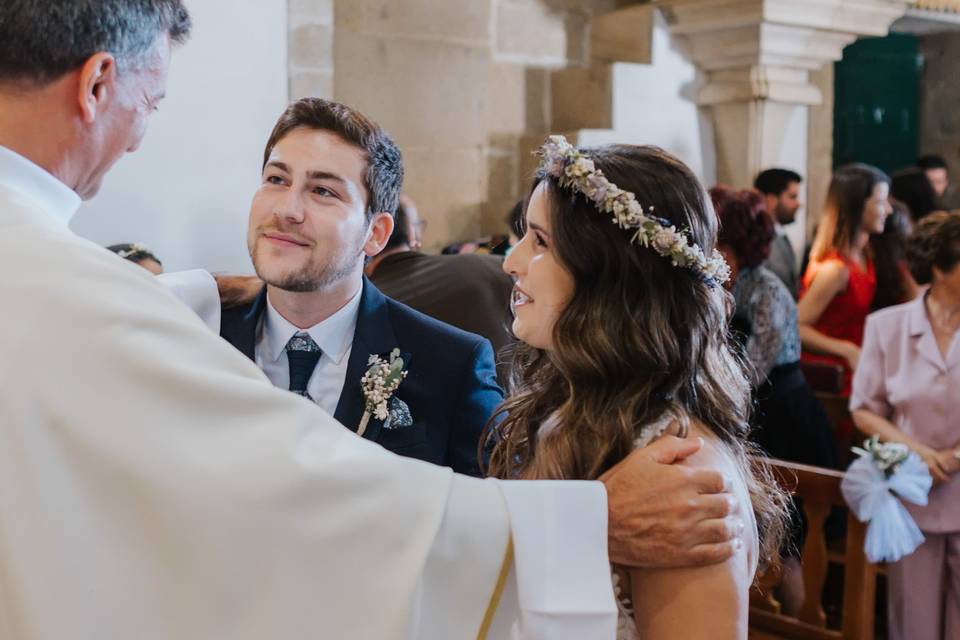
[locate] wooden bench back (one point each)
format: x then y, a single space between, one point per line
820 490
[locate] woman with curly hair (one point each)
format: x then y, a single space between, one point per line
619 306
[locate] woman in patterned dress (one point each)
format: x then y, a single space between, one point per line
620 346
788 421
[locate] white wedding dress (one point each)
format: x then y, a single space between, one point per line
626 626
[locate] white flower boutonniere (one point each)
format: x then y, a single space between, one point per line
886 456
379 383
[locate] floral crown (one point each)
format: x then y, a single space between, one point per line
573 170
132 250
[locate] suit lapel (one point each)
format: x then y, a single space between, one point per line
241 330
788 250
373 336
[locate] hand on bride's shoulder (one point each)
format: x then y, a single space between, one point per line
719 593
664 514
716 456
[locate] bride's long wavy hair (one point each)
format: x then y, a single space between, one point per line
640 338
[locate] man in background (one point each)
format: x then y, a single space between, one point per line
938 173
781 187
469 291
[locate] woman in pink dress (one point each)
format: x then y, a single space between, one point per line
838 286
907 389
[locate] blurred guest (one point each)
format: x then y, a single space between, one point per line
907 390
912 187
792 423
895 285
781 190
515 223
415 225
838 287
788 422
138 254
469 291
937 172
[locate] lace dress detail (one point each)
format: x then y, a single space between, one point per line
764 304
626 627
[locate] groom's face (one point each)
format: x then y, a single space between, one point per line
308 225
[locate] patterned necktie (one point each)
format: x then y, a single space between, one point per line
302 355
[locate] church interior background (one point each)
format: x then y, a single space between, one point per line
469 87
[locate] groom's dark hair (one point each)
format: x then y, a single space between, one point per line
41 40
384 177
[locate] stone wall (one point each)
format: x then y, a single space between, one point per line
456 83
939 116
310 58
468 87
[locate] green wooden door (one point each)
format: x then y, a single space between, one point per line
877 102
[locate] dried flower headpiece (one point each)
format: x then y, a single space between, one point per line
133 250
576 171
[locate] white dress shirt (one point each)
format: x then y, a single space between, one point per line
334 336
44 191
198 290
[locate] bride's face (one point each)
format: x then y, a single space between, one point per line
542 287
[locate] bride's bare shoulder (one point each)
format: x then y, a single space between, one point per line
719 593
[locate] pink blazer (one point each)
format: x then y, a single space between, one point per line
902 377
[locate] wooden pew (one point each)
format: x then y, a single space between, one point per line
820 490
823 377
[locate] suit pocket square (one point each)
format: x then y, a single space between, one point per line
398 416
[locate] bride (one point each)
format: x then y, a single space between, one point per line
623 321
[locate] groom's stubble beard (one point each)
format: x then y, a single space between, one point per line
320 270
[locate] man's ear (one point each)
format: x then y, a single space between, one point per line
772 201
381 228
97 84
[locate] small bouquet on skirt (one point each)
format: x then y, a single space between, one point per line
869 485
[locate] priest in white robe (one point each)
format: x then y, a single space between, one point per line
155 485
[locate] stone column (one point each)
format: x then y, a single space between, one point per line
758 56
311 48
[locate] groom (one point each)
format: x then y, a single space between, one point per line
155 485
331 179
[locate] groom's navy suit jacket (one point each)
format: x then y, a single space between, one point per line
451 385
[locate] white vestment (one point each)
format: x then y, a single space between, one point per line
155 485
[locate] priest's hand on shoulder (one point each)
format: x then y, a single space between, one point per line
663 514
236 291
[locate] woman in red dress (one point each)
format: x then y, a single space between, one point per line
838 287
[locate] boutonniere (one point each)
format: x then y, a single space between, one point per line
379 383
886 456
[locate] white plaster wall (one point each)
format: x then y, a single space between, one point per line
186 192
655 104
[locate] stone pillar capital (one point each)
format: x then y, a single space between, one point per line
756 57
765 49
